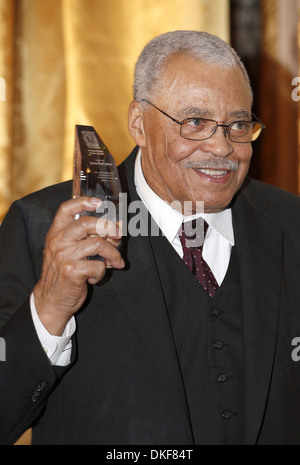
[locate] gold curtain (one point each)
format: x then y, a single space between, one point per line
280 144
68 62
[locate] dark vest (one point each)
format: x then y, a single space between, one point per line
208 339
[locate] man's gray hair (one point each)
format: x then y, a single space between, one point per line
201 45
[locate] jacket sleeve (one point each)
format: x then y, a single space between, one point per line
26 375
17 274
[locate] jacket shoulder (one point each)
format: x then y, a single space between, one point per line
280 206
48 198
262 191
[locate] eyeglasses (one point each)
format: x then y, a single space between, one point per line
239 131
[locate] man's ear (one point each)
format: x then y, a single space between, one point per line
136 124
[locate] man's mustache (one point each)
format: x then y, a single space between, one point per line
220 164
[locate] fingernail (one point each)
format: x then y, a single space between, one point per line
94 201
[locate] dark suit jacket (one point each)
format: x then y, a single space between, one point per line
123 385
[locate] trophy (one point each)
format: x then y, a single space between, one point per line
96 175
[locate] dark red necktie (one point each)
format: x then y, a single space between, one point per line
192 237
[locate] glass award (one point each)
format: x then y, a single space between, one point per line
96 174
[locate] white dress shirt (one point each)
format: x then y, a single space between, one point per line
216 252
57 348
219 237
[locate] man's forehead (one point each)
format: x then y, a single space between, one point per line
181 68
207 112
182 63
197 87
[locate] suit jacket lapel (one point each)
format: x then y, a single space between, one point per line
139 290
259 248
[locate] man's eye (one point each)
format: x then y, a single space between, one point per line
240 126
196 122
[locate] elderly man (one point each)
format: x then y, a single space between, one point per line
161 343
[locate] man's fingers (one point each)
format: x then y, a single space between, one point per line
80 229
98 246
93 270
85 225
107 228
72 208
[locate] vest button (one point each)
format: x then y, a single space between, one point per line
222 378
218 345
227 414
215 311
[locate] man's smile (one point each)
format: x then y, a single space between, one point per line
213 175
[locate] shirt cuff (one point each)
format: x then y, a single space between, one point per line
57 348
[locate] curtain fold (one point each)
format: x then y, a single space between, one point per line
279 146
68 62
7 30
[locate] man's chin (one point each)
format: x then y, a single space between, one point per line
207 205
192 208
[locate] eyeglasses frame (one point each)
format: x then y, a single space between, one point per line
225 126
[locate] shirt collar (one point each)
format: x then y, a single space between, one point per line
168 219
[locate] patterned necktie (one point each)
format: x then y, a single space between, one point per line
192 237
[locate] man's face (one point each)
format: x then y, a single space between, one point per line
190 88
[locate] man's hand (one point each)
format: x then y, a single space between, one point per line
62 288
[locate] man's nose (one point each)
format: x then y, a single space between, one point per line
219 144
